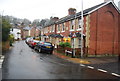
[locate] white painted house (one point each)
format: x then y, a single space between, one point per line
16 33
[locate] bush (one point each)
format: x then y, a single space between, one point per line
65 44
5 30
11 39
62 44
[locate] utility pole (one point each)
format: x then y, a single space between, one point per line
74 38
82 28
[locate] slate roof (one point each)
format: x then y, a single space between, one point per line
51 22
85 12
56 35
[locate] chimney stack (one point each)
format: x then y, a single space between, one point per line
71 11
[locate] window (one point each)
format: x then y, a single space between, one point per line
72 25
53 27
63 27
58 27
79 43
50 28
72 40
79 24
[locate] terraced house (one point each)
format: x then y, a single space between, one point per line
101 29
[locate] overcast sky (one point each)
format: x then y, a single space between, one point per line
40 9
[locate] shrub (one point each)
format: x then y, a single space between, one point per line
62 44
11 39
65 44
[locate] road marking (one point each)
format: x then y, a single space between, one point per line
90 67
115 74
82 65
102 70
1 60
2 57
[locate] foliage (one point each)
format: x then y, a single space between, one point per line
5 30
11 39
65 44
62 44
17 21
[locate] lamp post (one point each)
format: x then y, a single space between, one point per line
82 28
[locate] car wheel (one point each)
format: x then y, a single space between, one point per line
40 50
51 52
34 48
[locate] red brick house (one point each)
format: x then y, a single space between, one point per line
101 29
26 32
31 31
34 31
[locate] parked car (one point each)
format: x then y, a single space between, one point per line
44 47
32 43
28 40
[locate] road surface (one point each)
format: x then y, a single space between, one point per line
22 62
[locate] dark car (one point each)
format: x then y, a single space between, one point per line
44 47
32 43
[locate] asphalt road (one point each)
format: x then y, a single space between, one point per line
22 62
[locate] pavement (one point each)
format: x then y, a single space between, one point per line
109 65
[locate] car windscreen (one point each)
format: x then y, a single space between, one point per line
35 40
47 43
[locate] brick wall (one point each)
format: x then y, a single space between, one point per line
104 31
119 34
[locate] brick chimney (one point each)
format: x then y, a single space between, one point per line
108 0
71 11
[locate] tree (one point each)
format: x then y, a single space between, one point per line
5 29
36 22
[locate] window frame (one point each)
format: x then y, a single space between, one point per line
72 23
58 28
63 27
79 24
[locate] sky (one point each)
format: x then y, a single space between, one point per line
41 9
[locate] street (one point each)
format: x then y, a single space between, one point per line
22 62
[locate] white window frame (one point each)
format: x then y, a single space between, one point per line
79 43
63 27
72 23
58 28
53 28
79 25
